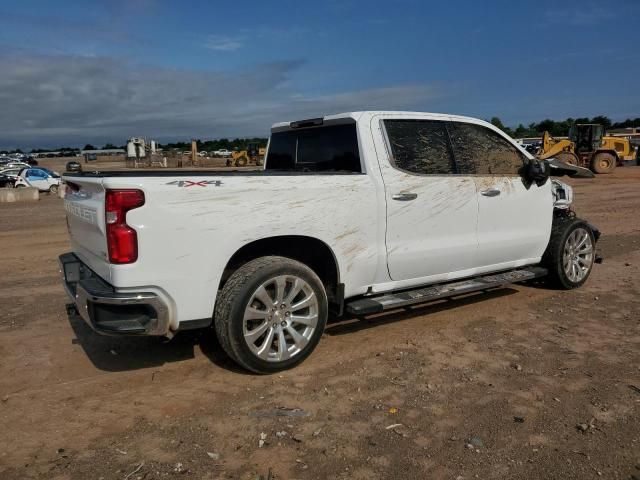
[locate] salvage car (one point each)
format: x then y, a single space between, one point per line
11 172
41 178
6 181
356 213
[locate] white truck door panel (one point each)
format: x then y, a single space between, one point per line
431 218
514 221
514 225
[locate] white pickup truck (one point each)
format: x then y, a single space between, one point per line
358 212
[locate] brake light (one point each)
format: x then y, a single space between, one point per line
122 240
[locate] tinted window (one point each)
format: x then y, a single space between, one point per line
331 148
420 146
282 151
483 151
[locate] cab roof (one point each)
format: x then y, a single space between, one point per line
349 117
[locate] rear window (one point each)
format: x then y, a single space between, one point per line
323 149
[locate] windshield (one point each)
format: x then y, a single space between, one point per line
49 172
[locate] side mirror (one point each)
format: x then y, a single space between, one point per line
535 171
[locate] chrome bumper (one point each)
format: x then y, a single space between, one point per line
108 311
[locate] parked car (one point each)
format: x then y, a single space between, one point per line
12 172
222 153
73 166
10 175
14 164
532 148
6 181
43 179
358 212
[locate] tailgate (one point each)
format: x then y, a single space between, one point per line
84 204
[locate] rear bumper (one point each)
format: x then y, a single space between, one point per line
112 312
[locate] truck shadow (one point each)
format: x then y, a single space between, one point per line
118 354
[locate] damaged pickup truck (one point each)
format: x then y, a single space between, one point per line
359 213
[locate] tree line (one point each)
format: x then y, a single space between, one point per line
554 127
561 128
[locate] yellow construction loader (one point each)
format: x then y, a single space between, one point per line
254 154
589 147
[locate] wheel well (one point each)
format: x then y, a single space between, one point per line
308 250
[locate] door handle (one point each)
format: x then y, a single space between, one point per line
403 197
491 192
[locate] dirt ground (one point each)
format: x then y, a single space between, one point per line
520 383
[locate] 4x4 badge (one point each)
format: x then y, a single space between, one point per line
189 183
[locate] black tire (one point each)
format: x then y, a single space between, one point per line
553 258
234 297
603 162
53 189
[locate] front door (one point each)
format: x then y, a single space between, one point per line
37 178
431 210
514 221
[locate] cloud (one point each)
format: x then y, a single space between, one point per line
223 43
50 100
583 16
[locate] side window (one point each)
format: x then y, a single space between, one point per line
482 151
420 146
333 148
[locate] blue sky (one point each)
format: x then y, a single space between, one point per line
73 72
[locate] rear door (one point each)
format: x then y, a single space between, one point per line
514 221
431 209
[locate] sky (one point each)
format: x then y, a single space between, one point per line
78 71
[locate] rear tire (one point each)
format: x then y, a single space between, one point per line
571 252
270 314
603 162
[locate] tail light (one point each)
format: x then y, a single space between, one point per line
122 240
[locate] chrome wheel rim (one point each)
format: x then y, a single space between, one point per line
577 258
280 318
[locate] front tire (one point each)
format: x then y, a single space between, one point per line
53 189
571 252
270 314
603 162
